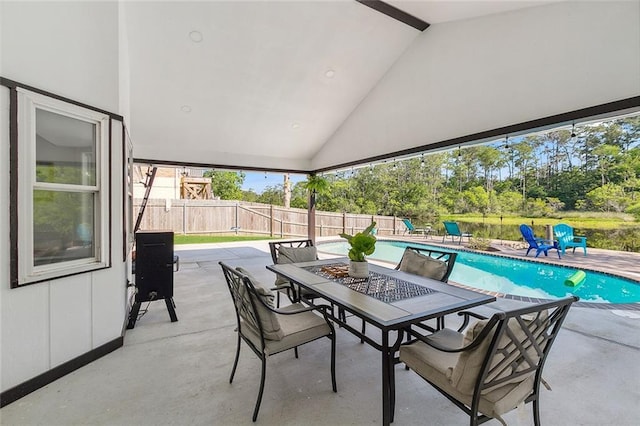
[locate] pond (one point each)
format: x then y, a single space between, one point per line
622 239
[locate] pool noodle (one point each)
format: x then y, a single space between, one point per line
576 279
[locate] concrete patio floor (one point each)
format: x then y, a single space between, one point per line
178 373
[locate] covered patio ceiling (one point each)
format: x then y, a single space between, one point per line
317 85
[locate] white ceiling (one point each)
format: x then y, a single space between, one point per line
256 85
438 12
270 82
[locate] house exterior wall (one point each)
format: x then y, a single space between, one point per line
166 184
69 49
522 65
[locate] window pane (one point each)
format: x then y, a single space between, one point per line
63 227
65 149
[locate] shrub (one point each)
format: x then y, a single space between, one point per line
479 243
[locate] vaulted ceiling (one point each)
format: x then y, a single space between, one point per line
310 85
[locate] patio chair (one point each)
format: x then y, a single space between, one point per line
566 239
292 251
268 331
429 263
495 365
413 230
453 230
538 244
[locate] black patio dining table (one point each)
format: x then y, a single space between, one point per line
390 300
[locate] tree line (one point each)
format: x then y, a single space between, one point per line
587 168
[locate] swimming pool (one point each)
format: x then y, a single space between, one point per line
513 276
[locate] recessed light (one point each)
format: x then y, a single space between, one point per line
195 36
185 108
295 126
330 73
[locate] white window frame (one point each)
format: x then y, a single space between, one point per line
28 102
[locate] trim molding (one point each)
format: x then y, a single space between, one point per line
215 166
11 84
25 388
395 13
13 187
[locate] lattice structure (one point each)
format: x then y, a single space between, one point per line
195 188
382 287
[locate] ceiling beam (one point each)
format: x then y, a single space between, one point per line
395 13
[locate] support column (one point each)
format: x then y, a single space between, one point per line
311 217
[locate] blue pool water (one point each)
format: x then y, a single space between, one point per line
513 276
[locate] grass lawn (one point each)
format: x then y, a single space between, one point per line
201 239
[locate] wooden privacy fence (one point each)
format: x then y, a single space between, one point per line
240 217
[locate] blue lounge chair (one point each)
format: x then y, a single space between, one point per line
566 239
413 230
537 244
453 230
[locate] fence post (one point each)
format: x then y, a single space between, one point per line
271 219
344 222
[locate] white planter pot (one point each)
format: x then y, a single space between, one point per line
358 269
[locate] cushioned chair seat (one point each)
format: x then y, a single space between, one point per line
294 255
429 263
495 365
266 330
297 330
436 366
425 266
292 252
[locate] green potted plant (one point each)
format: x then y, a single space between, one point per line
317 184
362 244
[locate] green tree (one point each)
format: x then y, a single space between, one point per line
510 202
606 156
489 159
608 197
272 195
476 199
226 184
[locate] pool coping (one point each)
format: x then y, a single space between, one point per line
603 306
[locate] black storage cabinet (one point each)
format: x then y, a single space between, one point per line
153 271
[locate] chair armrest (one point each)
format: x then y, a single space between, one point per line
467 315
479 338
283 287
544 241
322 308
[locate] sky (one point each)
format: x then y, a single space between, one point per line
257 181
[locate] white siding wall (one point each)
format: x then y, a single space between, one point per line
71 50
